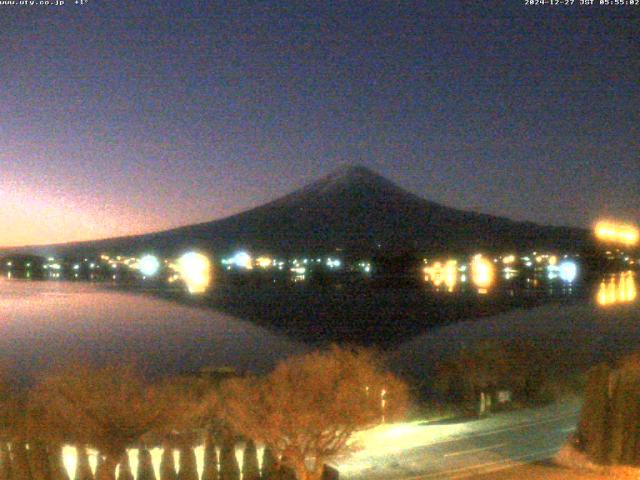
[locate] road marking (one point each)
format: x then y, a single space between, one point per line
502 465
485 468
473 450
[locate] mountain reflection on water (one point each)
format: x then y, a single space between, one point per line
46 324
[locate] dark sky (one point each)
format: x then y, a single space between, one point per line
124 117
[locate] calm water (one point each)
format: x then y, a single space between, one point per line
43 324
576 336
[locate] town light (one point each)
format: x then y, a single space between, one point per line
440 273
195 271
149 265
568 271
242 260
264 262
482 273
617 233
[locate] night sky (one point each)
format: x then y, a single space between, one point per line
123 117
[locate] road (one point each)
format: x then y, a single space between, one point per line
422 451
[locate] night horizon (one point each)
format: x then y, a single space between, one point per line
121 119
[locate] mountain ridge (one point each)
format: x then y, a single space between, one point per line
352 208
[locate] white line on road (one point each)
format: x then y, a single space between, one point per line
482 469
473 450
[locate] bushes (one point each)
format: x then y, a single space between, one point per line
488 366
305 411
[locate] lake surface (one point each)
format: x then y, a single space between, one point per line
45 324
576 336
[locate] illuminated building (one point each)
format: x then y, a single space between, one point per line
617 233
482 273
509 259
195 271
440 273
264 262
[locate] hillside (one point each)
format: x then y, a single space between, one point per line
353 209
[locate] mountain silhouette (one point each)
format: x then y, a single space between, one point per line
356 211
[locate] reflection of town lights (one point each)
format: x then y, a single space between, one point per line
620 289
451 274
195 270
617 233
149 265
568 271
482 272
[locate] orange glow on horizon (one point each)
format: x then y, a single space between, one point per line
43 216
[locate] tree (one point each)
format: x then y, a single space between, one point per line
167 463
210 458
188 469
56 466
83 469
269 464
488 365
609 428
145 465
109 408
124 472
250 466
308 408
5 462
229 469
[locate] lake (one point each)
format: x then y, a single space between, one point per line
46 324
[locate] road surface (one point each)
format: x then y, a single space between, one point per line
422 451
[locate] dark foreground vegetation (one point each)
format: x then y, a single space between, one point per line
609 430
491 375
303 413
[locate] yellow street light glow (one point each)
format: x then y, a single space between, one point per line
440 273
617 233
482 272
620 289
509 259
264 262
195 271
